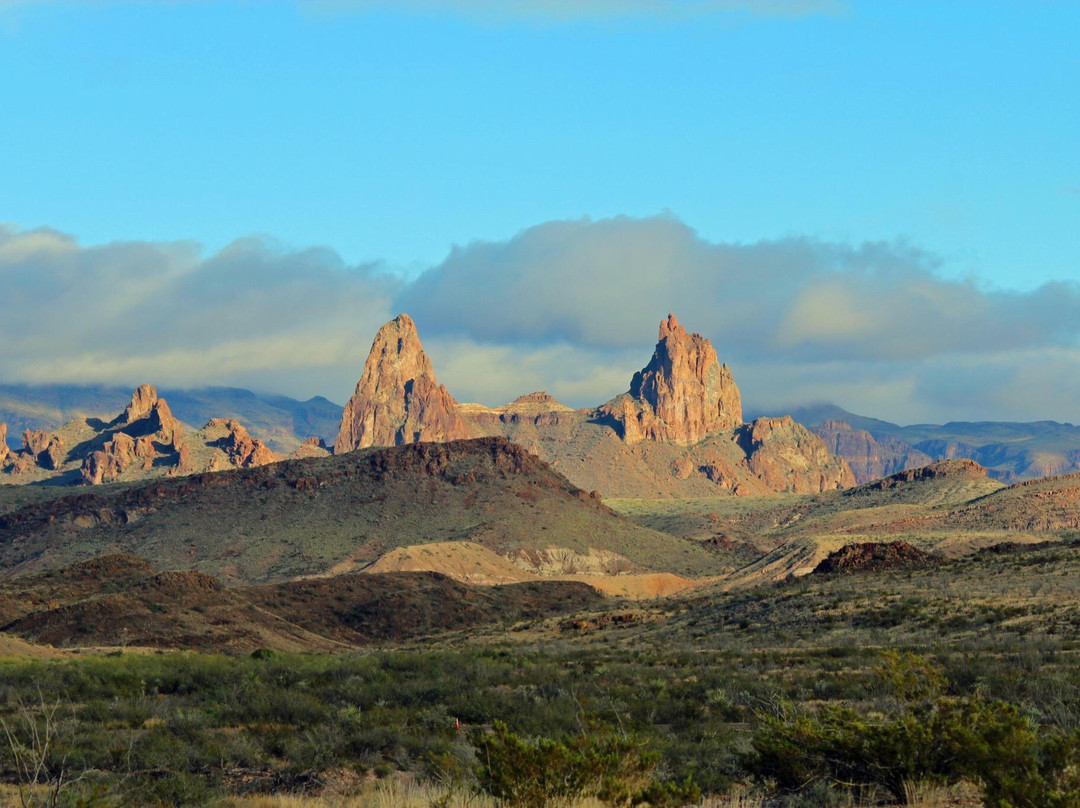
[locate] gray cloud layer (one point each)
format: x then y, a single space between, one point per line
253 313
567 306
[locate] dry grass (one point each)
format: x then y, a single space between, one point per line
407 793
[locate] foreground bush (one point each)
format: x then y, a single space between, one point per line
925 736
542 772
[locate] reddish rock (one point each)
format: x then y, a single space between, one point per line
117 454
35 441
42 449
148 415
397 399
955 469
5 450
243 450
142 403
312 447
682 395
788 457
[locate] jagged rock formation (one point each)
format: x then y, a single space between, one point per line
144 441
241 450
678 431
868 457
312 447
682 395
397 399
5 450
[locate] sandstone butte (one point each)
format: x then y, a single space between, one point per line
683 399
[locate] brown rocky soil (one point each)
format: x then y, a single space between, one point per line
121 600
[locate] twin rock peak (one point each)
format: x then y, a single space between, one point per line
677 431
683 395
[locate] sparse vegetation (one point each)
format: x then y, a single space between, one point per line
713 688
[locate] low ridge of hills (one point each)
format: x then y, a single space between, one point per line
328 515
119 600
950 508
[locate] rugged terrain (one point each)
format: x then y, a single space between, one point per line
120 600
283 423
145 441
950 508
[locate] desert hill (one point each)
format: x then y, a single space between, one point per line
333 514
950 508
678 431
120 600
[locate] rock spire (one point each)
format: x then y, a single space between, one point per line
682 395
398 399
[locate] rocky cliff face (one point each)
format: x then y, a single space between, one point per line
5 450
786 456
397 399
682 395
869 458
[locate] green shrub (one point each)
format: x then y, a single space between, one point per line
543 772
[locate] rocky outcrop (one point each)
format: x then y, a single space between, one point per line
682 395
119 454
147 414
42 449
873 557
962 469
312 447
868 457
788 457
397 399
242 450
5 450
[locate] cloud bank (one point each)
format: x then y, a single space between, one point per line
254 313
567 306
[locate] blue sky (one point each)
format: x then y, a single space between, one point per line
386 133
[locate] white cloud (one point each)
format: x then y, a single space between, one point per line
137 311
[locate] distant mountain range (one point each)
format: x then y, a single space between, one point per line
1011 451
